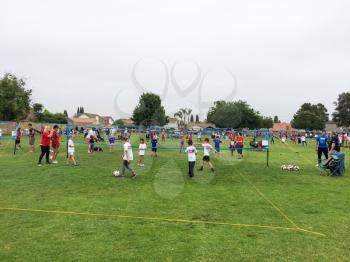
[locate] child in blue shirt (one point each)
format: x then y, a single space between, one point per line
217 143
154 143
111 141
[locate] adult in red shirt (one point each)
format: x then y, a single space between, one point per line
55 142
45 145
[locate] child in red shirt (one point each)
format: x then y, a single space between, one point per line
18 138
55 142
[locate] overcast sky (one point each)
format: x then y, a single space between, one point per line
84 53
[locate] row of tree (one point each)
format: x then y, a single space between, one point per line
15 103
237 114
315 116
185 117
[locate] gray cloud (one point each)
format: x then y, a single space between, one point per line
282 53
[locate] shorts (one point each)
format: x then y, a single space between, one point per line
232 148
17 142
217 150
154 150
206 158
31 141
71 153
55 145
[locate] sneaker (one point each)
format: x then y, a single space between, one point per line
134 175
55 162
40 165
212 170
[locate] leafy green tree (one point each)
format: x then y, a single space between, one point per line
234 115
14 98
57 118
318 109
342 111
308 120
118 122
266 122
65 113
38 112
192 119
149 111
310 117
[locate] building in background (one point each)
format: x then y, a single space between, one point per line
91 119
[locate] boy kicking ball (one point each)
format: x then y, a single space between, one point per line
206 158
127 157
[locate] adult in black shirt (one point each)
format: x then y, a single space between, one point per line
334 144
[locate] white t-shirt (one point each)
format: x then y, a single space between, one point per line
128 149
207 149
91 133
191 152
303 138
0 132
142 148
71 148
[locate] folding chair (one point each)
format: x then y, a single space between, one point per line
334 166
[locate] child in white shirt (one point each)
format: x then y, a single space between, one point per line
191 153
71 151
127 157
206 158
142 150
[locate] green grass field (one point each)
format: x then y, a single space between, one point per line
245 211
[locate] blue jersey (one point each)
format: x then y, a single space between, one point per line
154 143
322 142
217 143
111 140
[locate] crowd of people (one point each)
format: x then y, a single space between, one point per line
50 143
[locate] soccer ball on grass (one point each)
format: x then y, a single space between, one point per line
116 173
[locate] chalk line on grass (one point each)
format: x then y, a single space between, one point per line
268 200
170 220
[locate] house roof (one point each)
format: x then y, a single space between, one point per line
89 115
107 117
282 126
78 120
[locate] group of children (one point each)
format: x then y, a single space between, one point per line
190 150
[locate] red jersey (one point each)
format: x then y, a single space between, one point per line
55 138
240 140
18 137
45 139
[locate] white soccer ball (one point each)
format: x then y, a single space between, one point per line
116 173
